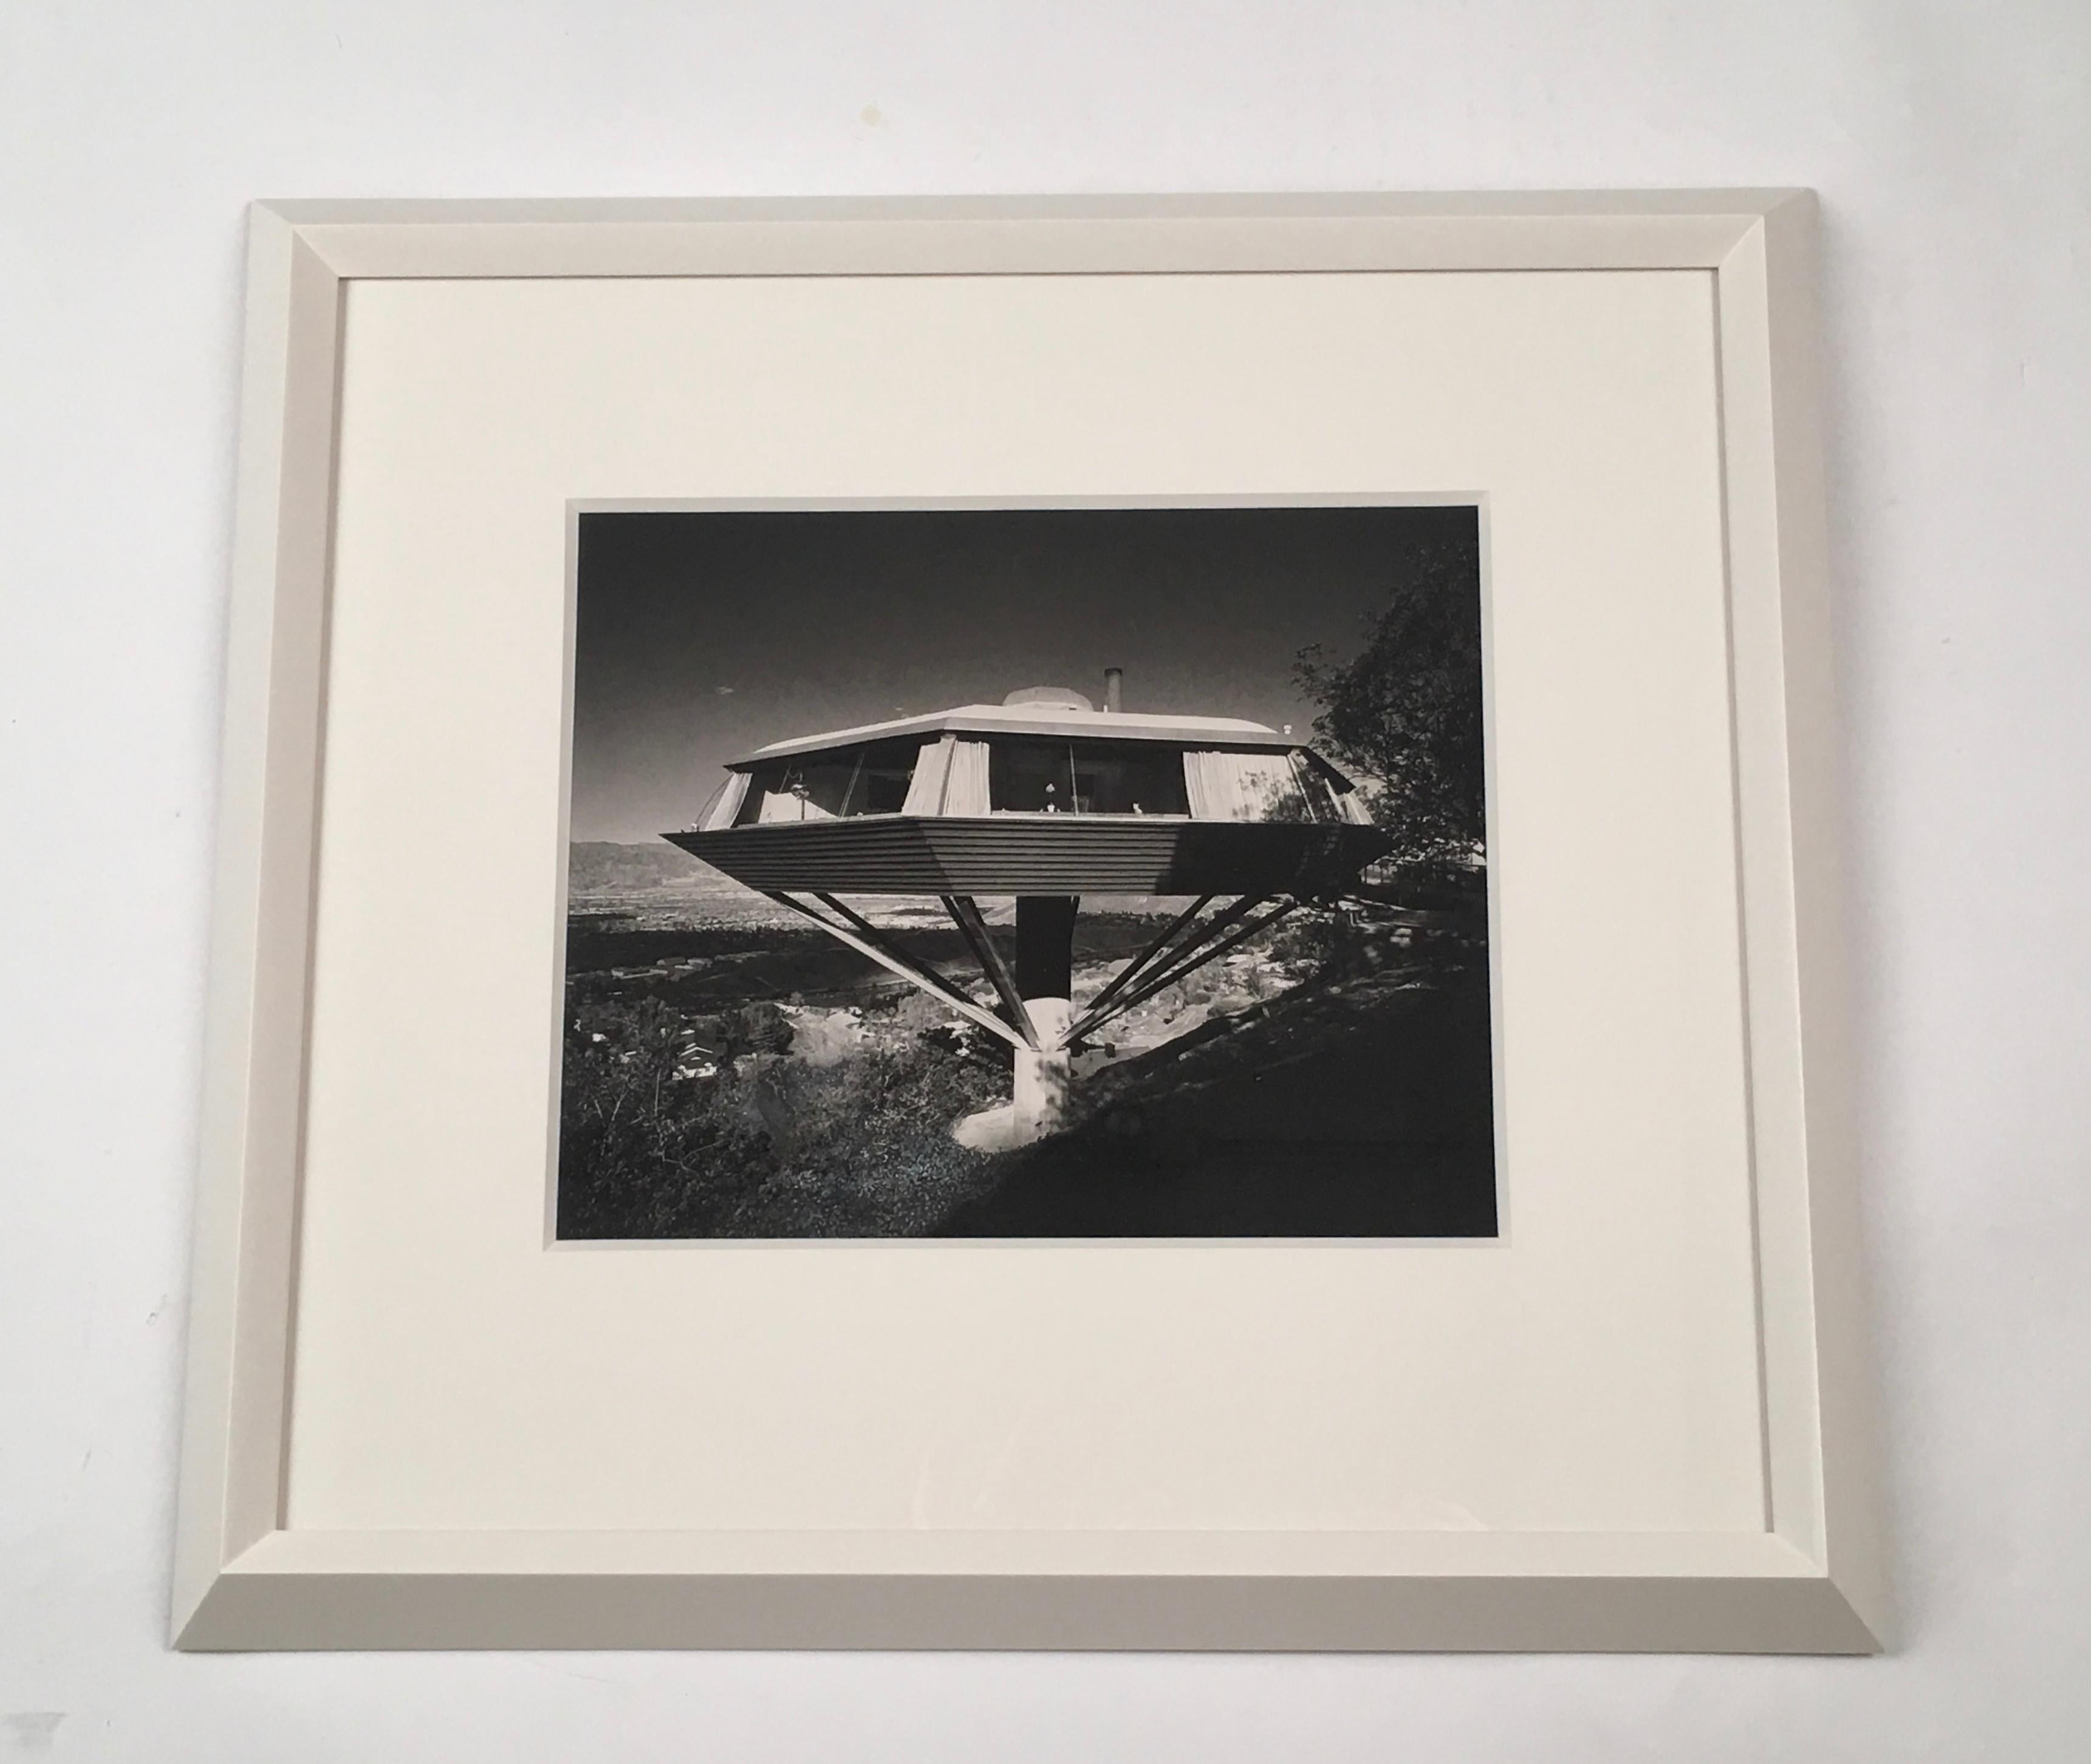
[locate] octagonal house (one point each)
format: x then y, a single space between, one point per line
1044 798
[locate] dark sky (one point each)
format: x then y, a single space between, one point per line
702 636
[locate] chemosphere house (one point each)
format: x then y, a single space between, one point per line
1044 798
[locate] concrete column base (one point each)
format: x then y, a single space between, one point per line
1042 1079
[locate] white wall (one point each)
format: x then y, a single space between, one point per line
1952 146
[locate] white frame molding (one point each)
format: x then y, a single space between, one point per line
1813 1581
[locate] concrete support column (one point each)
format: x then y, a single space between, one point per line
1042 1078
1045 981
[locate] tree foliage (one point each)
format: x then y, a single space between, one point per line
1405 713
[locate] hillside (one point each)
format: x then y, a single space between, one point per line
595 867
1359 1108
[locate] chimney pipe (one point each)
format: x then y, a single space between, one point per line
1114 681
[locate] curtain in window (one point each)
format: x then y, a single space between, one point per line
726 804
965 790
1244 787
925 789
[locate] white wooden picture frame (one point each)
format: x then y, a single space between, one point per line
1813 1579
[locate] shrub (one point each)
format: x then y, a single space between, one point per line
644 1151
656 1139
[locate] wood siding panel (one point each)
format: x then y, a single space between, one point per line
1042 854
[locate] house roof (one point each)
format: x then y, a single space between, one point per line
1040 720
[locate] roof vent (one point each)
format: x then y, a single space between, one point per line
1058 697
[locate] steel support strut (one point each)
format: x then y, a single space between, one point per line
966 915
1160 957
1194 954
866 939
1133 969
1164 962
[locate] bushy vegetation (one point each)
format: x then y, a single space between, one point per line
664 1133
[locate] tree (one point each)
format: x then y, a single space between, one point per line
1405 713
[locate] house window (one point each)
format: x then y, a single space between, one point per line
1318 784
1264 785
837 784
1043 776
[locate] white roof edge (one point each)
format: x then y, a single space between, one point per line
1038 719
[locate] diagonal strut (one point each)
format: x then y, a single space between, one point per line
1193 955
1132 969
966 915
864 938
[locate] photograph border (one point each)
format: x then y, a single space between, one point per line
1814 1582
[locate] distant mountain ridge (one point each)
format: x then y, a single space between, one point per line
599 866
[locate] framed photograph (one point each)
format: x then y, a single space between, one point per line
1105 923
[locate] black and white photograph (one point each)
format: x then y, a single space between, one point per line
1063 872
